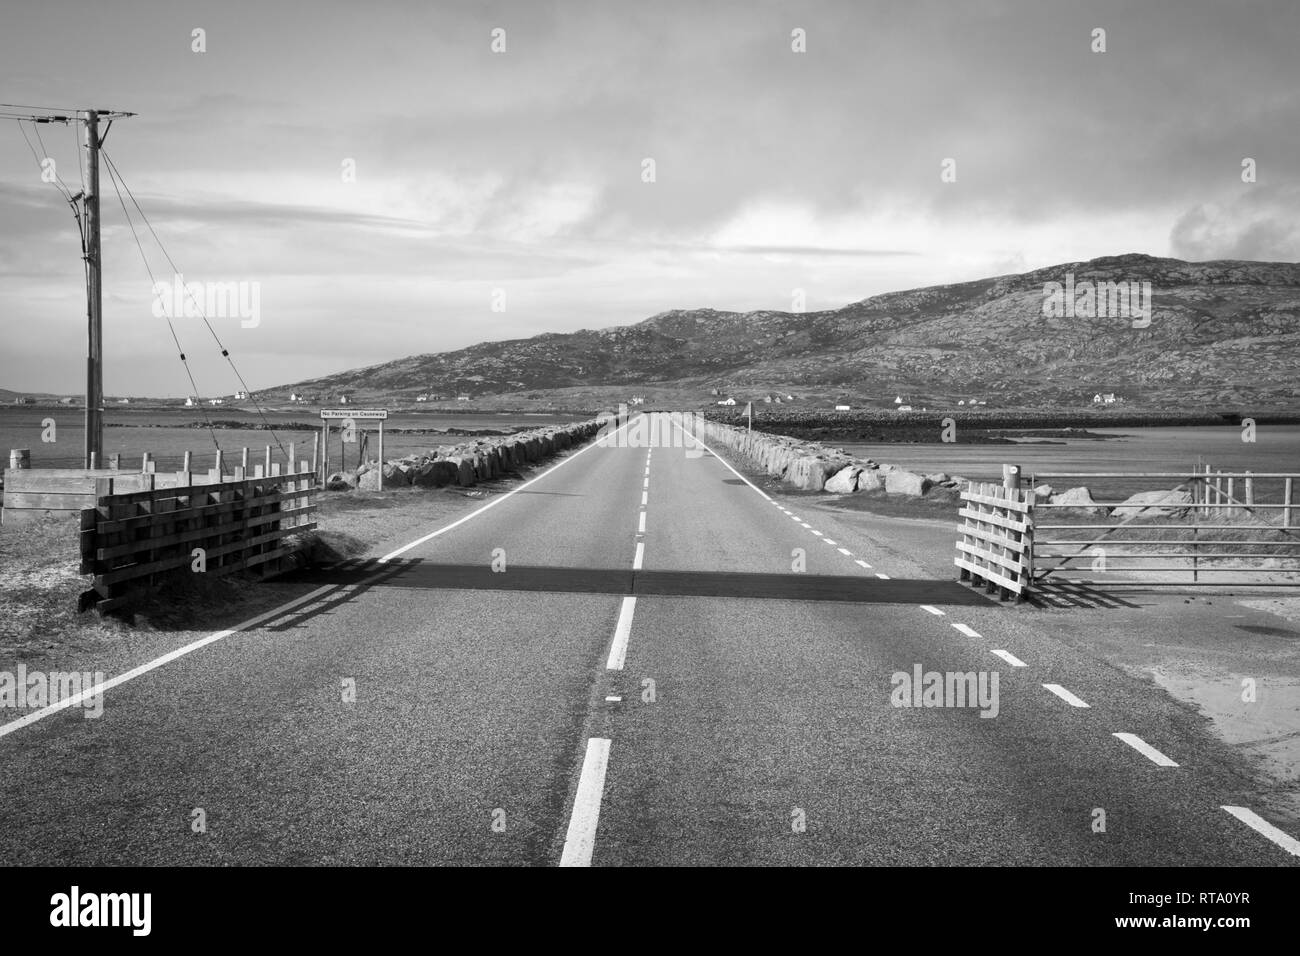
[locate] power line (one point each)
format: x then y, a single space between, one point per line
224 351
175 338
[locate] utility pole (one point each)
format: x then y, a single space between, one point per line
88 220
95 301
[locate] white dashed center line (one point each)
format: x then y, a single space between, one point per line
1065 695
883 577
641 524
932 609
1260 825
622 631
640 556
1146 750
580 841
845 551
861 562
1010 658
969 632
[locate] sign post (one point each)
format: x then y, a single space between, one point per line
351 416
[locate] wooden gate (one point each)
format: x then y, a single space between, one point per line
996 550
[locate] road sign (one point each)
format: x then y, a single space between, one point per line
331 414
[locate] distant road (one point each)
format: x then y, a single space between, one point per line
648 681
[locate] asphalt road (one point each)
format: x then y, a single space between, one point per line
637 658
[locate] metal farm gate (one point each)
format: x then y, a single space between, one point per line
1201 526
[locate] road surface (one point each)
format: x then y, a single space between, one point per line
637 658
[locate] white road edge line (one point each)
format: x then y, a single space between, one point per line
622 631
157 662
1146 750
1010 658
1262 826
580 841
496 501
932 609
967 630
1065 695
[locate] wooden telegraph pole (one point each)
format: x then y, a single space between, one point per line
95 303
88 219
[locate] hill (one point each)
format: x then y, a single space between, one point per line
1223 333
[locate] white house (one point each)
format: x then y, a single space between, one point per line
727 401
216 401
1107 399
904 408
462 398
191 401
241 396
843 408
898 400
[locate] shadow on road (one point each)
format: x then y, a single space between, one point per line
418 574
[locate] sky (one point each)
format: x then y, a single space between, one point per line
391 184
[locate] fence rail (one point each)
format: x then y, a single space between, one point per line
131 541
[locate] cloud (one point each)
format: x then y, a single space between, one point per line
1260 223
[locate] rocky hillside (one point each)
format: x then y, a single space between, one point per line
1222 333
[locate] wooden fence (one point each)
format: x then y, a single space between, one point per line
33 493
131 541
996 549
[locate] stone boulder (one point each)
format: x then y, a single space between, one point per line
340 481
1080 498
901 482
1141 504
844 481
436 473
869 479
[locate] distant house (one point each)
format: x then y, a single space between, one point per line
191 401
241 396
637 400
462 398
65 401
422 398
961 403
714 391
898 400
843 408
727 401
216 401
345 400
1108 399
124 401
24 401
903 408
